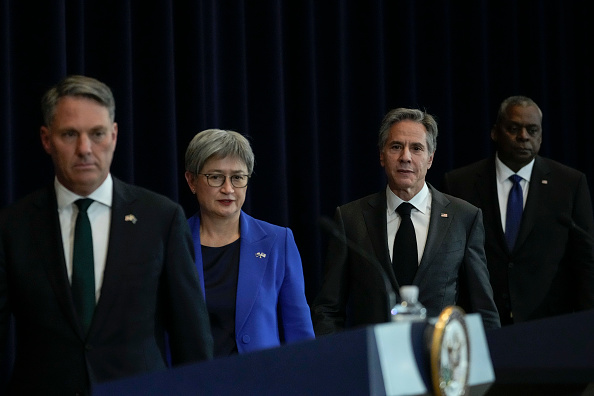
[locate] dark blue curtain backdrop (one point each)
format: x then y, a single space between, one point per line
307 80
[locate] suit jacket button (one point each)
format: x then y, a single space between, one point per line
510 265
246 339
88 347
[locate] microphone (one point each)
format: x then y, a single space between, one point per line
569 223
330 227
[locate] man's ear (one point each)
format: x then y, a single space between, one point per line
44 134
115 134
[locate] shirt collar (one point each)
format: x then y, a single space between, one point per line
419 201
103 194
503 171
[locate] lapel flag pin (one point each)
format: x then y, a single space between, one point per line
260 255
544 181
131 218
444 215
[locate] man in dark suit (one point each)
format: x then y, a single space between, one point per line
449 265
143 286
549 267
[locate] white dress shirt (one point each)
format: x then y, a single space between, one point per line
420 216
100 217
504 185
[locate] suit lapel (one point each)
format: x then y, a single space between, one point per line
536 192
48 234
122 205
488 201
254 255
374 214
194 223
438 226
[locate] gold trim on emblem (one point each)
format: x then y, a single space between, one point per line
450 353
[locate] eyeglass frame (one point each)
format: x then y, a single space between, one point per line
209 175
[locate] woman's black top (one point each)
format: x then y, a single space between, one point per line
221 268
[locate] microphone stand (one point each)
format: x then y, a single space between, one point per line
332 228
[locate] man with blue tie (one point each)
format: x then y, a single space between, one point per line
98 274
538 220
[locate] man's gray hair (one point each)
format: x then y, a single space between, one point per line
76 85
400 114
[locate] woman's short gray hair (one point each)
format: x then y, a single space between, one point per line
218 143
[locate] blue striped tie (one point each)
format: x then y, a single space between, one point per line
515 206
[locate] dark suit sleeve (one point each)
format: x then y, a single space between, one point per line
328 310
580 249
477 289
4 321
183 304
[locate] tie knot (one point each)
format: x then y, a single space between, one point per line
83 204
515 178
404 209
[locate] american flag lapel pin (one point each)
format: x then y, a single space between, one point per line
444 215
544 181
131 218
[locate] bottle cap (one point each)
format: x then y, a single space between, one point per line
409 293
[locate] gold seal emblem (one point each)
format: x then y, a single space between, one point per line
450 353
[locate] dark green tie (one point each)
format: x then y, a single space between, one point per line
83 269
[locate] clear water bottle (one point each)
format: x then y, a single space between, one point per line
410 309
